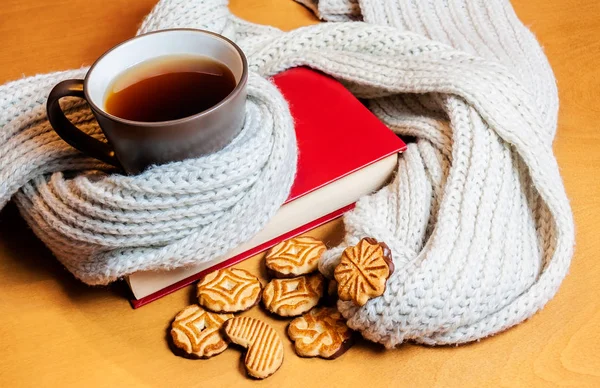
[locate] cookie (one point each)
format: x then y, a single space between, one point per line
293 297
229 290
295 257
363 271
321 332
197 332
264 353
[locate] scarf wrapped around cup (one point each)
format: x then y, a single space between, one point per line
477 218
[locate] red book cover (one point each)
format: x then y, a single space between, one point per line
336 136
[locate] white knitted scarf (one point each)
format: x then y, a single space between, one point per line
476 217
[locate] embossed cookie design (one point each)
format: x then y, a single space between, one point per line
294 257
229 290
363 271
321 332
264 353
292 297
197 332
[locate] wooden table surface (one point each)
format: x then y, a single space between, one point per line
57 331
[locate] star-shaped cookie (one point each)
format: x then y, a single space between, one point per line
363 271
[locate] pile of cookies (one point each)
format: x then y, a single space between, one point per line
295 290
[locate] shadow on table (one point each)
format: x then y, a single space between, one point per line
25 260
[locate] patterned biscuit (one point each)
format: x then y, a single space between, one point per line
229 290
197 332
264 353
321 332
298 256
295 296
363 271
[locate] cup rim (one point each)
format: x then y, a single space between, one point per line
236 91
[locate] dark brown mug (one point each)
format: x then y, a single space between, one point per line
134 145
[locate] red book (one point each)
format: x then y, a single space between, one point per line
344 153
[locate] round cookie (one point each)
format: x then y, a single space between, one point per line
295 296
321 332
264 353
229 290
197 332
294 257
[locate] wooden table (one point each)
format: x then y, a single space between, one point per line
56 331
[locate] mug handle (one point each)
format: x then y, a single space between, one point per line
69 132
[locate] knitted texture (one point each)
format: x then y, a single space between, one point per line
476 217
